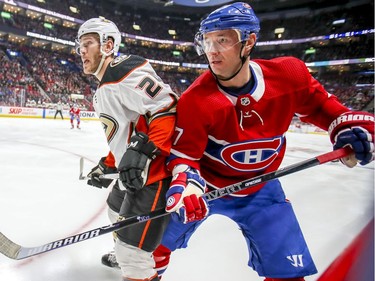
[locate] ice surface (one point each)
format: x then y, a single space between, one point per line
42 200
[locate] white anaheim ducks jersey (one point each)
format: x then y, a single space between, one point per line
129 98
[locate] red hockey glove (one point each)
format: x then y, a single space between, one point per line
354 129
184 199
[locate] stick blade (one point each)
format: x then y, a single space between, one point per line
81 163
8 247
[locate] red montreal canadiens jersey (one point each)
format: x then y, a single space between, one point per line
74 111
234 138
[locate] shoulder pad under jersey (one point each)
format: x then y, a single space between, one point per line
121 66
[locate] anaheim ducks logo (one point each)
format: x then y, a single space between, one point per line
110 126
118 60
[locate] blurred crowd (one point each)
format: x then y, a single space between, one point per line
156 25
37 77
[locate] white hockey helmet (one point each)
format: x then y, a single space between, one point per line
104 28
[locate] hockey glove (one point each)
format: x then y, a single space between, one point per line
184 198
354 129
98 171
135 163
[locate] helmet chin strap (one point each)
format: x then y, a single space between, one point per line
104 56
243 60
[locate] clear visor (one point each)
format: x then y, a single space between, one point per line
83 46
216 41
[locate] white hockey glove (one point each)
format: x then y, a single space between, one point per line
134 165
184 197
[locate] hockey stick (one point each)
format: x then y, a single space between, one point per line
81 162
17 252
105 176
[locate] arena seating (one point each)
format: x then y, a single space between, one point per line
41 76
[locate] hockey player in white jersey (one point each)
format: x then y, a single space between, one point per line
137 111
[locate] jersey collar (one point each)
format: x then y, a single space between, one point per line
255 87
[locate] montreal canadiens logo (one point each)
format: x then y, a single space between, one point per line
253 155
170 201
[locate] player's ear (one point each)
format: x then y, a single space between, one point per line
109 45
250 43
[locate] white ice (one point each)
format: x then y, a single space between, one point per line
42 200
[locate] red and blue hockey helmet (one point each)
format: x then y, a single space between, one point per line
238 16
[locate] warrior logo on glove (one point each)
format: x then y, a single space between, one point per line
354 129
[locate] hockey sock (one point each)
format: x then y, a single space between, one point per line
162 256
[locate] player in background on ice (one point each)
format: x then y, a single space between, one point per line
231 126
75 114
137 111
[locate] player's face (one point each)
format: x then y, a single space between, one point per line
89 49
222 49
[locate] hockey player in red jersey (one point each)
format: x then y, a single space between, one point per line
74 113
137 111
231 126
